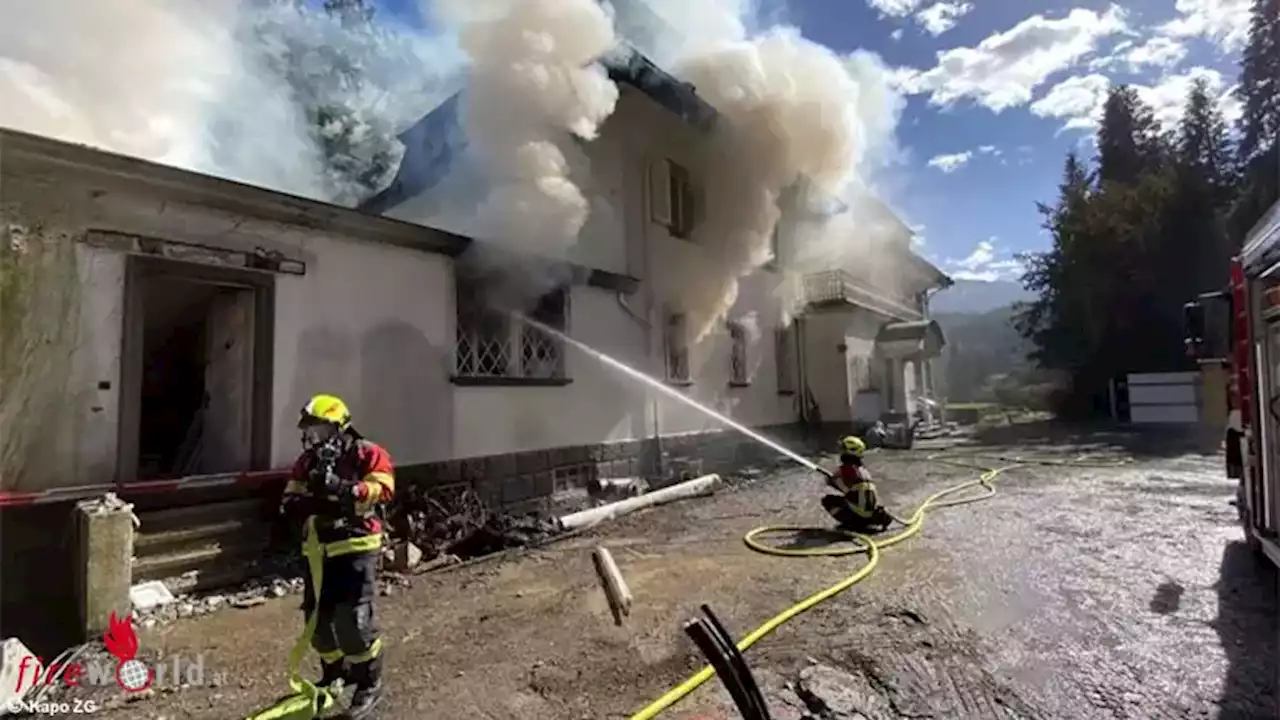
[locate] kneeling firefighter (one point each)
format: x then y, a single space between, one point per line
345 482
857 507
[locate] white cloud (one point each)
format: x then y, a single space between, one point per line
894 8
1004 70
952 162
1077 100
1225 22
1168 96
896 35
1159 52
982 264
942 16
990 150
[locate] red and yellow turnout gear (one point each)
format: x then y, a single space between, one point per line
345 482
857 506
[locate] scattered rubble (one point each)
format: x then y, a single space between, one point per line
193 604
463 525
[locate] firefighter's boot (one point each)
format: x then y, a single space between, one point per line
368 679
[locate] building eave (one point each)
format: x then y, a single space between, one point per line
27 151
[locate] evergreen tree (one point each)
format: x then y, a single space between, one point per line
1259 91
1129 138
1197 240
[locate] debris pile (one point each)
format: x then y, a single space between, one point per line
462 525
192 605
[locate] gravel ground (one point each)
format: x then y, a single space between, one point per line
1077 592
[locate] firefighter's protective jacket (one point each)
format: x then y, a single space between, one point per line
855 483
350 524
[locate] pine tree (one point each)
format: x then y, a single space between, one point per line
1048 321
1129 138
1204 149
1259 88
1196 247
1259 150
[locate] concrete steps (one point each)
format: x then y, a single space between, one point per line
203 546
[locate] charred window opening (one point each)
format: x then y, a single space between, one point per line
492 343
677 342
738 371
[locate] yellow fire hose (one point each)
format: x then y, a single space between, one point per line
865 544
305 700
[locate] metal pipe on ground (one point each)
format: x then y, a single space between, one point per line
697 487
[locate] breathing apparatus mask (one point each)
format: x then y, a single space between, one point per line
323 441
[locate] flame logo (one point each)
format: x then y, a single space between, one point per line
120 639
122 642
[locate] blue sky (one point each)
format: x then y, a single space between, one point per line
998 92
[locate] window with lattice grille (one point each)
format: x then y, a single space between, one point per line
494 344
677 342
738 372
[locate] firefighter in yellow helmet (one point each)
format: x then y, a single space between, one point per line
857 507
345 482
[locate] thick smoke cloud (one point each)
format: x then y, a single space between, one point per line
231 88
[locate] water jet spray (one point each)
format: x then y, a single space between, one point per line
670 392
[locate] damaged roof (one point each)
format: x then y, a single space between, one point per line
432 144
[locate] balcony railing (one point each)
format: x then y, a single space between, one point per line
838 286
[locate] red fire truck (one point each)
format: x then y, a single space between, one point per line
1240 326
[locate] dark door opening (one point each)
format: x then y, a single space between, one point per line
194 414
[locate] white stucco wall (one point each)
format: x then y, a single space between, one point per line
370 321
832 375
373 324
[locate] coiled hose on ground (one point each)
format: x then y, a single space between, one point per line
980 488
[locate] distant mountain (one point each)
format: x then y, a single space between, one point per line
981 348
978 296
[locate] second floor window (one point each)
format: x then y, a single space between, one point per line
672 198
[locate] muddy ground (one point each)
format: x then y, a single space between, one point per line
1119 592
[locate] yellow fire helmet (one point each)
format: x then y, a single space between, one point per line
852 445
326 409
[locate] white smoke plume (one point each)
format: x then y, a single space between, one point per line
533 82
794 117
224 87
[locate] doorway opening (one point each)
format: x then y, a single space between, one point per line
195 373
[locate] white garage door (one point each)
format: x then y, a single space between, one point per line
1164 398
